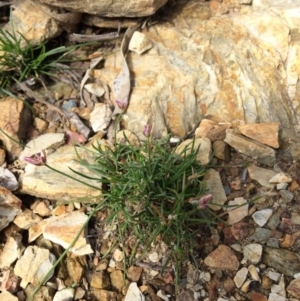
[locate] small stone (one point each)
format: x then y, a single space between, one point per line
287 196
214 185
237 214
79 293
161 295
104 295
221 150
254 296
239 230
64 295
153 257
34 265
266 282
118 255
281 186
240 277
133 293
276 297
42 209
261 217
139 43
102 265
294 288
261 175
100 280
253 252
26 219
254 273
116 280
260 235
40 124
100 117
274 276
7 296
11 251
134 273
280 178
222 258
2 156
212 130
274 221
74 268
8 179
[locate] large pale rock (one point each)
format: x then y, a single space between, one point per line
15 118
34 23
63 228
10 206
202 66
11 251
106 8
43 182
34 265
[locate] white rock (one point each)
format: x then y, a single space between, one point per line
261 175
254 273
66 294
262 216
100 117
10 206
7 296
95 89
280 178
162 296
237 214
118 255
154 257
276 297
133 293
281 186
63 228
274 276
11 252
240 277
34 265
8 179
215 187
26 219
49 141
139 43
253 252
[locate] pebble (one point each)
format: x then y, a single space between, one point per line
153 257
281 186
276 297
261 217
118 255
134 294
260 235
237 214
254 273
294 288
64 294
261 175
274 276
240 277
253 252
286 196
274 221
280 178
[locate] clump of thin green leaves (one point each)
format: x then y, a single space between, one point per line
20 60
152 191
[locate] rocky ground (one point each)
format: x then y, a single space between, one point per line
252 253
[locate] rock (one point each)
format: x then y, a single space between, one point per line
294 288
104 295
212 130
286 196
34 23
252 252
153 257
217 8
254 296
222 258
2 156
282 260
100 117
237 214
116 280
34 265
266 133
133 293
43 182
45 293
100 280
261 175
202 89
260 235
133 8
255 150
280 178
274 276
15 118
11 251
118 255
26 219
239 230
279 288
261 217
41 208
7 296
8 179
74 268
47 142
66 294
139 43
240 277
253 272
276 297
36 230
40 124
134 273
79 293
214 185
204 152
126 136
221 150
63 228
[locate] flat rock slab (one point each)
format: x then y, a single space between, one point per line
282 260
222 258
43 182
261 175
253 149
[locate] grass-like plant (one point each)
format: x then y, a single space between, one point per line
20 60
